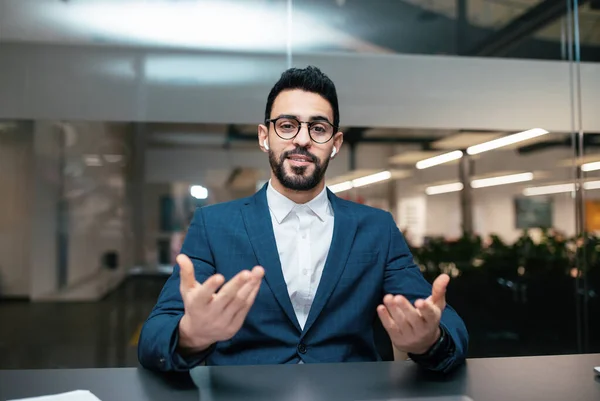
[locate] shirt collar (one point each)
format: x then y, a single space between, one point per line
281 206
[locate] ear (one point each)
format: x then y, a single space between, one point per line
338 139
263 135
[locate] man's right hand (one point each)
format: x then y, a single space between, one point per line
210 316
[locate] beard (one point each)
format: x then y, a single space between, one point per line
297 179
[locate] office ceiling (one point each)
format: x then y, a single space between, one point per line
405 26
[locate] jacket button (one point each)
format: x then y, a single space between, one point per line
302 348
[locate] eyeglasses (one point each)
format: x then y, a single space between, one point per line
320 131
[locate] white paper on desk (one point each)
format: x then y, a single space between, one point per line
77 395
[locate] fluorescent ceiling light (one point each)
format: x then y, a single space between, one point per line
92 160
501 180
549 189
360 182
506 140
590 166
199 192
559 188
591 185
444 188
342 186
371 179
434 161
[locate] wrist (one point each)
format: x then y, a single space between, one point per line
188 342
430 345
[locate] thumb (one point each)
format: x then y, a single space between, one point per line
438 292
186 273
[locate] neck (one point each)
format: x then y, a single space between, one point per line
299 197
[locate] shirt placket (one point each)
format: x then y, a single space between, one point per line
304 261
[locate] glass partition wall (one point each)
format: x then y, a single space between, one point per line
474 122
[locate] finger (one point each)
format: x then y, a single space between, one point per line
239 300
397 314
186 273
230 290
252 296
258 272
438 292
209 288
430 312
240 315
413 317
386 319
247 289
255 275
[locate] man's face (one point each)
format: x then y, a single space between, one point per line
300 163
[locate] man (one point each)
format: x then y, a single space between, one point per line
330 267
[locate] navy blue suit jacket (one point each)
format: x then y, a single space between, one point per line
368 258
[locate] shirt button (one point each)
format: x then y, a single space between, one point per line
305 271
161 360
303 235
302 348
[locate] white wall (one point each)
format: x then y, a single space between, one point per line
128 84
443 216
494 213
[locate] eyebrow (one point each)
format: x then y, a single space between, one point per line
312 118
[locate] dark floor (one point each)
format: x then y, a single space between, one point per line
77 335
104 334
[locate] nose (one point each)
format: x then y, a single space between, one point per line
303 138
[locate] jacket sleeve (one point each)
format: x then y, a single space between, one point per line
403 276
157 347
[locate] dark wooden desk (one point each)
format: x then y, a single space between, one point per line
548 378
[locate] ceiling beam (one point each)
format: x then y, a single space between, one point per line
502 41
590 140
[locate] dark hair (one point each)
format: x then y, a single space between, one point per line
309 79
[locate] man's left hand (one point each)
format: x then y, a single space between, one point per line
414 329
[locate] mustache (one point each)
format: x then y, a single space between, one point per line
300 152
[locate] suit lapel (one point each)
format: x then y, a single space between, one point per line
344 230
257 220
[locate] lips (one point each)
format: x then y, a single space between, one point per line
298 158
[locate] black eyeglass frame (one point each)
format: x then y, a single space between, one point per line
308 124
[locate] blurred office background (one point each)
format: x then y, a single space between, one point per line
118 118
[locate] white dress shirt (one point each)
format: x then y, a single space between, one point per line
303 235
